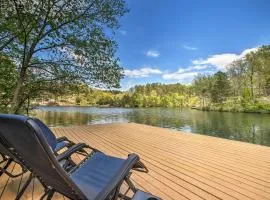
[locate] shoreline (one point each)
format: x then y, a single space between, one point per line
205 109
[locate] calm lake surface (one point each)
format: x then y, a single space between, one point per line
252 128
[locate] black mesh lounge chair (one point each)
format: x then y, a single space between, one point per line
57 144
97 177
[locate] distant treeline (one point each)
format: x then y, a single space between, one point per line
150 95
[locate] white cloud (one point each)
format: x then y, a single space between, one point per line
220 61
123 32
190 47
152 53
246 51
180 76
186 75
193 68
143 72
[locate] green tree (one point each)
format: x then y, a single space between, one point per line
78 100
8 79
202 86
58 41
250 60
262 62
220 87
236 73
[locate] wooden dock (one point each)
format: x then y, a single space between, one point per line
181 165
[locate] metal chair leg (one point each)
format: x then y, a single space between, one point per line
48 193
130 184
28 181
3 170
4 158
44 195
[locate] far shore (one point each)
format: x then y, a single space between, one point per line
206 109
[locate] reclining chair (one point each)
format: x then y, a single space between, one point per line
57 144
96 177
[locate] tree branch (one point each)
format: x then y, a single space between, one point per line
68 22
51 47
7 43
4 37
18 15
33 46
41 68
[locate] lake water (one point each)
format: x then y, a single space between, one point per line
247 127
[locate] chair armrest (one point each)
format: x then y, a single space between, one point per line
139 166
62 142
141 195
76 148
62 139
119 176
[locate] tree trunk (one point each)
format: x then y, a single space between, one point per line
259 89
251 88
28 106
16 101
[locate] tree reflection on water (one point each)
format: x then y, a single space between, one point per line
247 127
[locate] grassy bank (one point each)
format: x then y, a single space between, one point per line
232 106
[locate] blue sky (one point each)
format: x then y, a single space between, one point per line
171 41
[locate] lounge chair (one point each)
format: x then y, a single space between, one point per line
97 177
57 144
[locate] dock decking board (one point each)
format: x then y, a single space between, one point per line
182 165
